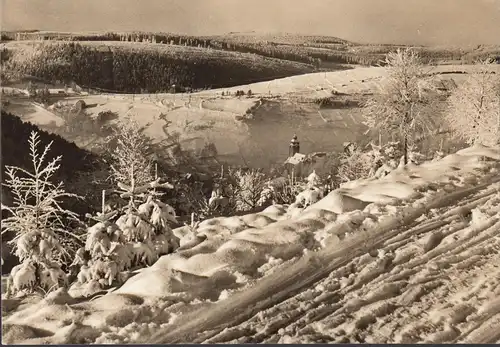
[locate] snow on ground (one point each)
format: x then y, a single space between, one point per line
411 257
258 140
353 81
35 113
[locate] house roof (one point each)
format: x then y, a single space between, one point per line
296 159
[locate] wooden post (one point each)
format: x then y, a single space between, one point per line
192 219
103 200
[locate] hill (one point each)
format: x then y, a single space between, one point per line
160 60
325 52
137 67
322 108
407 258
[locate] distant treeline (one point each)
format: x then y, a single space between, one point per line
315 54
316 50
122 67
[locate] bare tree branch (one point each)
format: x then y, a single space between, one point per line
398 105
474 107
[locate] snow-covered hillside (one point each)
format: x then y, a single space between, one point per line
251 131
411 257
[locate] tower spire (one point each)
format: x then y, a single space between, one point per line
294 146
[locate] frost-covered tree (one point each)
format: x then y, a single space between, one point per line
398 106
38 221
314 180
131 153
117 242
474 107
377 161
248 188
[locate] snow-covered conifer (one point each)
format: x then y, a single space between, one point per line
38 221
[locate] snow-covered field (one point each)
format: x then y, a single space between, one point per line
260 140
411 257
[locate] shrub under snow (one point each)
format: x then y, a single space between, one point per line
37 219
118 243
377 162
313 192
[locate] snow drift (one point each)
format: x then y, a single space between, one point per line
355 244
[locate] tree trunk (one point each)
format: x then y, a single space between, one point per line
408 116
405 149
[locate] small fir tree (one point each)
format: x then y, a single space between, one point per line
38 221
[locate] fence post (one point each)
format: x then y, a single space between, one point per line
103 201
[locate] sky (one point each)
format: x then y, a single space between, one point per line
428 22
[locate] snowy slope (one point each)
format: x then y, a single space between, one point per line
411 257
258 140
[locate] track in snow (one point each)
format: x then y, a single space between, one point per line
429 281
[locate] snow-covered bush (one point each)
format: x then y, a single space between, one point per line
124 237
119 242
313 191
438 155
192 233
376 162
218 201
236 190
314 180
283 190
354 165
248 188
38 220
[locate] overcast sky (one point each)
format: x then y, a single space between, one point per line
455 22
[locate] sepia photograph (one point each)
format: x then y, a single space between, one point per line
250 172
